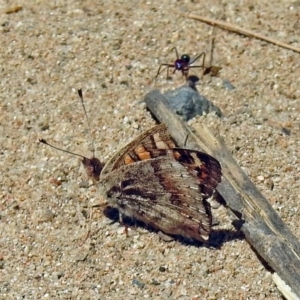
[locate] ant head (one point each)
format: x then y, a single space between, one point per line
186 58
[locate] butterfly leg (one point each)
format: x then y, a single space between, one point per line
89 230
122 223
88 234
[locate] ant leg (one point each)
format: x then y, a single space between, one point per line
185 72
203 60
195 59
167 66
201 66
190 67
174 70
174 48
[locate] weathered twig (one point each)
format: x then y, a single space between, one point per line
262 226
242 31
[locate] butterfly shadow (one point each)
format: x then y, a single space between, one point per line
221 236
217 237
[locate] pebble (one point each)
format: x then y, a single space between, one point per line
188 103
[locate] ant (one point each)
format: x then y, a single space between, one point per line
182 64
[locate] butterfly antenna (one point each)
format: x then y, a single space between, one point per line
57 148
88 120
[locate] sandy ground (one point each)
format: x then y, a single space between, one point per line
111 51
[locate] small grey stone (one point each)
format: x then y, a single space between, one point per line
188 103
228 85
84 184
44 215
138 283
165 237
81 257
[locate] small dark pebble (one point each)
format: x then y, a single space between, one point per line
155 282
85 213
44 126
124 82
162 269
2 264
16 206
286 131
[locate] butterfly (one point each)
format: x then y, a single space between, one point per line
153 181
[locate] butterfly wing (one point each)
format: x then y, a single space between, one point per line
160 192
202 166
145 146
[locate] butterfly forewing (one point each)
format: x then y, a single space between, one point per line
143 147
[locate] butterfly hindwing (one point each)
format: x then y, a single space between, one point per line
201 165
161 193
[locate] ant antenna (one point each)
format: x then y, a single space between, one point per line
88 120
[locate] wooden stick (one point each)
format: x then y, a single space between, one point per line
284 288
260 223
242 31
